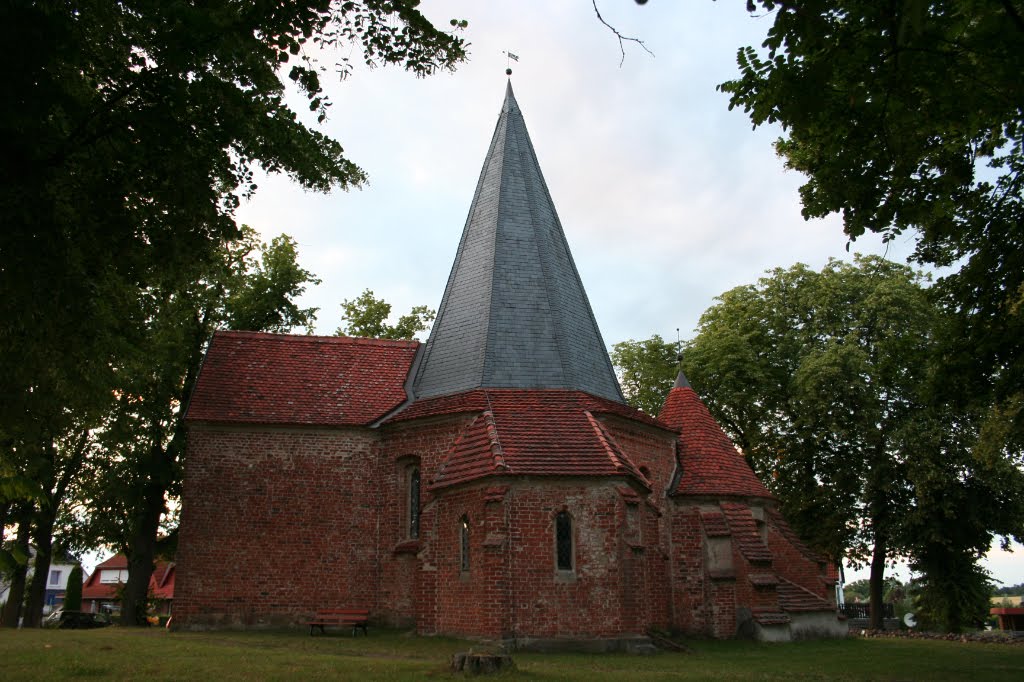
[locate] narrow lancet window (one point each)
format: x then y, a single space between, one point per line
414 503
464 544
563 541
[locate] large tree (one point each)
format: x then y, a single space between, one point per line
909 116
129 134
59 463
367 316
829 383
135 467
646 371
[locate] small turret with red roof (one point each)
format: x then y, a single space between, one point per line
709 462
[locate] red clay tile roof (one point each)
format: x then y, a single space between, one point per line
100 591
530 432
257 378
715 525
161 582
793 597
710 463
477 452
116 561
744 530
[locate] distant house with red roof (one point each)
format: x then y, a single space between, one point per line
491 482
101 591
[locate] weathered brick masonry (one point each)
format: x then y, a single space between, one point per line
277 523
490 483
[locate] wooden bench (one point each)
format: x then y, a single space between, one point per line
357 619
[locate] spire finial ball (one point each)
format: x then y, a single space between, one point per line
508 72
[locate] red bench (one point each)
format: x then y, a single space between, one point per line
357 619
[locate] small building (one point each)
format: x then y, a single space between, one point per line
1009 617
56 581
101 592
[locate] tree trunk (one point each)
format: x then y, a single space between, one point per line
877 584
42 536
46 517
16 595
142 548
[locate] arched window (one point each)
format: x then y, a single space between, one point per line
464 544
414 502
563 541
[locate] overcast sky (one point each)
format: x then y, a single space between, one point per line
667 198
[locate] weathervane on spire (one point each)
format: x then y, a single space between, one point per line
509 58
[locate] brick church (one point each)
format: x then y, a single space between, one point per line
489 483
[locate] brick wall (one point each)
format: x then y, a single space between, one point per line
407 591
275 524
649 448
587 601
692 591
472 602
279 522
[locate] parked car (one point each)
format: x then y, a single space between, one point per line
70 620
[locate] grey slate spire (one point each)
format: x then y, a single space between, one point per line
514 312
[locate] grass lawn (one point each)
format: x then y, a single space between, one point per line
115 653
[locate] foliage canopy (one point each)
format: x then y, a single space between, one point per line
130 133
367 316
909 115
135 464
646 369
828 383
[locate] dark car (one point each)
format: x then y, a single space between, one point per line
71 620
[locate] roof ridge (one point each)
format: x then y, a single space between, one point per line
453 469
492 434
603 438
318 338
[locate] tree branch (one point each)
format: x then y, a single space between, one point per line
621 37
